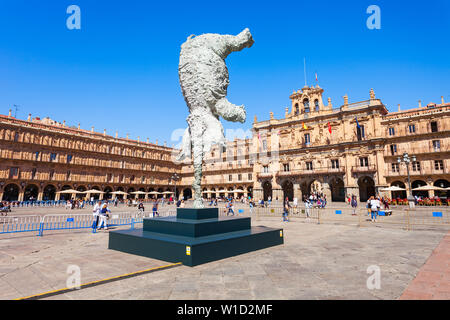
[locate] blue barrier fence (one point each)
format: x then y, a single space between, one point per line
39 224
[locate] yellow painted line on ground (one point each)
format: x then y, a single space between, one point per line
98 282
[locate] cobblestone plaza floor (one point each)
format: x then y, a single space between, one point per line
317 261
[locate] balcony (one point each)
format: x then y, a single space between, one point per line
264 174
314 171
360 169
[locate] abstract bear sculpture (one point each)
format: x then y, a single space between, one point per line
204 81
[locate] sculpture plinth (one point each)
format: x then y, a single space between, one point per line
194 236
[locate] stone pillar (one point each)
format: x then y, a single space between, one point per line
100 197
349 191
21 194
326 190
1 195
258 194
40 196
298 192
57 196
277 193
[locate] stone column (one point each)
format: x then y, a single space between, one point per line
326 190
298 192
21 195
40 196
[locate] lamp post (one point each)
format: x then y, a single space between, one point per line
406 159
175 178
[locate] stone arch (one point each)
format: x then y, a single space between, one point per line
11 192
267 190
366 188
107 193
187 193
337 190
420 193
49 192
442 183
288 190
31 192
398 194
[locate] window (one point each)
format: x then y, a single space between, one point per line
230 177
364 162
143 179
266 169
412 128
286 167
309 165
306 105
360 133
121 178
391 131
33 173
335 163
14 173
68 175
395 167
239 177
438 165
69 158
52 156
434 126
109 177
36 156
297 111
436 145
250 177
52 173
264 144
393 149
132 178
307 139
316 105
416 166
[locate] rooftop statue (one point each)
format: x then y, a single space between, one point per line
204 81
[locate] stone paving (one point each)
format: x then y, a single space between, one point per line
316 262
433 279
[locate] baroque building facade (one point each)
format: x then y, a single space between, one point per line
38 158
351 149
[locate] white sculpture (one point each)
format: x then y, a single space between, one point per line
204 82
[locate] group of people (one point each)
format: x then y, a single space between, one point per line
315 199
101 215
5 207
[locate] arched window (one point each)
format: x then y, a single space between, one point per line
316 105
297 111
306 105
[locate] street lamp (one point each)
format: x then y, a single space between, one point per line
175 178
407 160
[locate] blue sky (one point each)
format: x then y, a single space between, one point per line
120 71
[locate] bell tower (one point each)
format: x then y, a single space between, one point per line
307 102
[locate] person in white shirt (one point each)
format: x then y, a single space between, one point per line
103 216
295 203
374 207
95 213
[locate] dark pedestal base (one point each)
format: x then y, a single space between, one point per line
194 237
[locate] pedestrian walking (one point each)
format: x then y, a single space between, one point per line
286 209
103 217
354 204
95 213
374 207
155 208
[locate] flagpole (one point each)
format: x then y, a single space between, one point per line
304 69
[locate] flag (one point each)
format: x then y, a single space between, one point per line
329 127
357 123
304 126
316 76
259 136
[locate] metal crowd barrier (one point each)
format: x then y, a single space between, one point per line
68 221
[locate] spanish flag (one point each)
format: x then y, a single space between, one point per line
304 126
329 127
